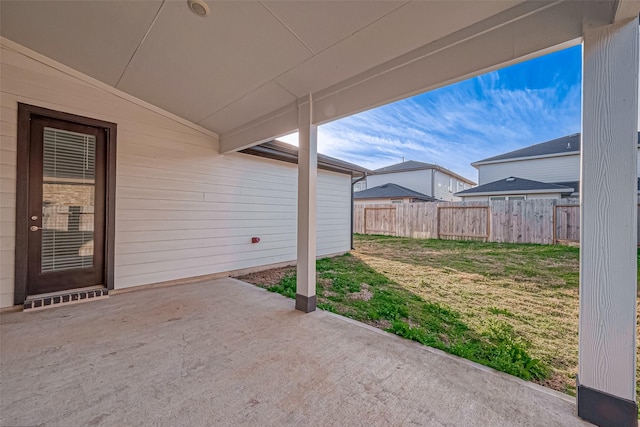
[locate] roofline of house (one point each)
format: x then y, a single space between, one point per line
288 153
517 159
421 168
416 194
426 198
508 192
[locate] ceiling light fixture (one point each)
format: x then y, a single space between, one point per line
199 7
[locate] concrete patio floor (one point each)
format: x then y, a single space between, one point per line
223 352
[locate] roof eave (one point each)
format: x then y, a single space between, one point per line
517 159
291 156
509 192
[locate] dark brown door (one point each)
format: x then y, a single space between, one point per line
66 206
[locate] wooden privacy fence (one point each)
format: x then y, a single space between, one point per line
567 224
463 222
544 221
380 220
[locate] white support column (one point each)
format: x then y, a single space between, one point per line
608 212
307 196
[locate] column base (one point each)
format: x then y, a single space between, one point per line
305 303
606 410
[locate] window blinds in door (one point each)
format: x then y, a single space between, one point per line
68 198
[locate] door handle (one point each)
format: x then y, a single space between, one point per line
35 228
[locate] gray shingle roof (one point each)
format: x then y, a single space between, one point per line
389 191
521 185
573 184
566 144
516 185
405 166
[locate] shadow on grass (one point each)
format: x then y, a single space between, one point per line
348 286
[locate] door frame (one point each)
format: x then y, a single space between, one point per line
25 112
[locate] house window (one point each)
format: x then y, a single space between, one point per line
450 185
508 198
359 186
460 186
396 201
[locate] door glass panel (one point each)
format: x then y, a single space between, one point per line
68 199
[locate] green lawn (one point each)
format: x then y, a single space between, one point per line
513 307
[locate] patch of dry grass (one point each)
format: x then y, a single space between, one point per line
533 288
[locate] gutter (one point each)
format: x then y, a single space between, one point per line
433 183
516 192
523 158
364 176
290 155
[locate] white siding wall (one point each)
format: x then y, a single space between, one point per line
552 169
183 210
419 181
207 226
334 213
442 188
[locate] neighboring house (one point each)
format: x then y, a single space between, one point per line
547 170
389 193
425 178
513 188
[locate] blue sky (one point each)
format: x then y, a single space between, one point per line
504 110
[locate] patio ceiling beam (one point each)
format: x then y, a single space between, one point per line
625 9
281 122
608 213
527 30
307 195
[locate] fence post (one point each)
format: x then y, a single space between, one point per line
488 223
438 221
554 208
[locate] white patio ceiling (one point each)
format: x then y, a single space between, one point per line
241 71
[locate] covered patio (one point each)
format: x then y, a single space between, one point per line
223 352
186 93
